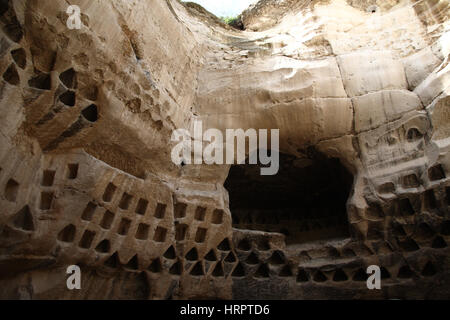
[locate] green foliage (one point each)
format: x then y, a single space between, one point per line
230 20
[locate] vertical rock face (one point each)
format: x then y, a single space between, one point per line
359 91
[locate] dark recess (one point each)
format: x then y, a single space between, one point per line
306 200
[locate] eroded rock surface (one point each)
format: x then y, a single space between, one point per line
359 90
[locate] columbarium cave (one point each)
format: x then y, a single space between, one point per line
358 89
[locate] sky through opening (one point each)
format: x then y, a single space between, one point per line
224 8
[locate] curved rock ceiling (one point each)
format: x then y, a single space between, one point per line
359 90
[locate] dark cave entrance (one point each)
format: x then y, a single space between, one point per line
306 200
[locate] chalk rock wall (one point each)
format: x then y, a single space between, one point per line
87 116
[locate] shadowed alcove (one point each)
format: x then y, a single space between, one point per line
306 200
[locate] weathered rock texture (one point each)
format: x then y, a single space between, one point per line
359 90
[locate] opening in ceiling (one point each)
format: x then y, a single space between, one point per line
224 8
